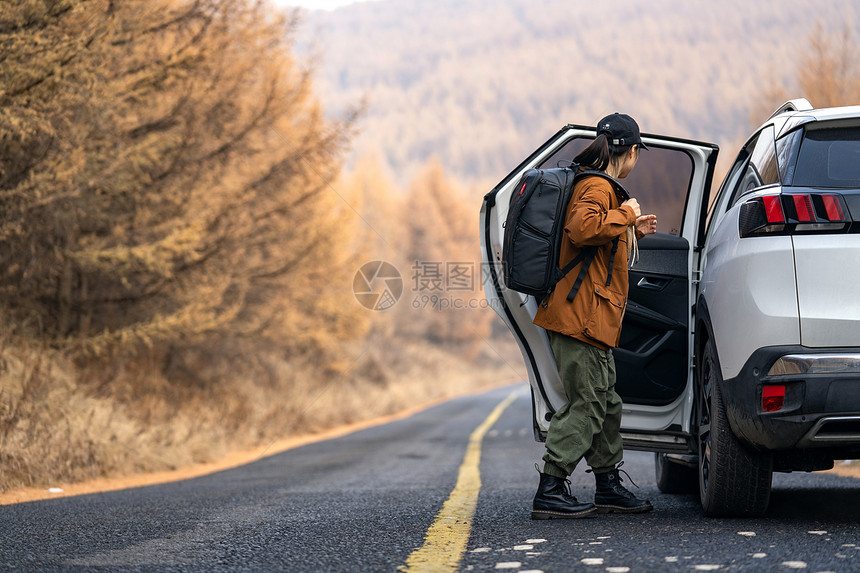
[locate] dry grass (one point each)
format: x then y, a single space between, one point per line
62 423
847 468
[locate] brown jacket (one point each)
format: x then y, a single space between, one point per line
594 217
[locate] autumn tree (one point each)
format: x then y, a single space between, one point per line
378 206
164 176
442 256
827 74
379 231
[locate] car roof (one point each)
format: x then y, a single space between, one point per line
785 121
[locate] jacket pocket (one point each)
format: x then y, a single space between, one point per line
605 322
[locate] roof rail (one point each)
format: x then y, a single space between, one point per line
799 104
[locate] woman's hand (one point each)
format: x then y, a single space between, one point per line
633 204
646 224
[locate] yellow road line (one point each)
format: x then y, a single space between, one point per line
445 541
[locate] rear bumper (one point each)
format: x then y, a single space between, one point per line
820 410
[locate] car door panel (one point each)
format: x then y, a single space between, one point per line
651 364
652 360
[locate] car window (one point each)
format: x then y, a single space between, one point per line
565 154
762 167
829 158
786 154
659 182
727 186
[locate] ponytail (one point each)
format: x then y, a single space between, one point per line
600 153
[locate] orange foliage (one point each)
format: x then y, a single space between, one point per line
444 263
827 74
166 176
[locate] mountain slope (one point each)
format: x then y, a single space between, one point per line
481 83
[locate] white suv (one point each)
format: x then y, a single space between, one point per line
740 349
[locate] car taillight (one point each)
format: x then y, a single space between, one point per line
787 214
803 207
833 207
772 209
772 398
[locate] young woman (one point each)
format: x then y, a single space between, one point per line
584 330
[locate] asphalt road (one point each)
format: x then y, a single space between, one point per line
365 501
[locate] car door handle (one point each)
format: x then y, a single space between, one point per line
652 284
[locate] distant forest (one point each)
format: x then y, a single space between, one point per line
192 220
480 84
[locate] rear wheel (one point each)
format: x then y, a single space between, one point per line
733 480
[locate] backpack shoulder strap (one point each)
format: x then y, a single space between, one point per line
618 187
587 255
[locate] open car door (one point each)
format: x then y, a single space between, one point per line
654 360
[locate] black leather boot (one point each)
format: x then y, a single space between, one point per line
612 496
554 501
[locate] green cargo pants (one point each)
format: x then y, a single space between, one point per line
589 424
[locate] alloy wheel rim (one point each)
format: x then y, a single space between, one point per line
705 424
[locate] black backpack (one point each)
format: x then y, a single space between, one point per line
534 230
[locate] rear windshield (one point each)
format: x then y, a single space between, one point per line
829 158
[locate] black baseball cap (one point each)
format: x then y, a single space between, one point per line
621 130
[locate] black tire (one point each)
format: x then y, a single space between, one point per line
673 477
733 480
